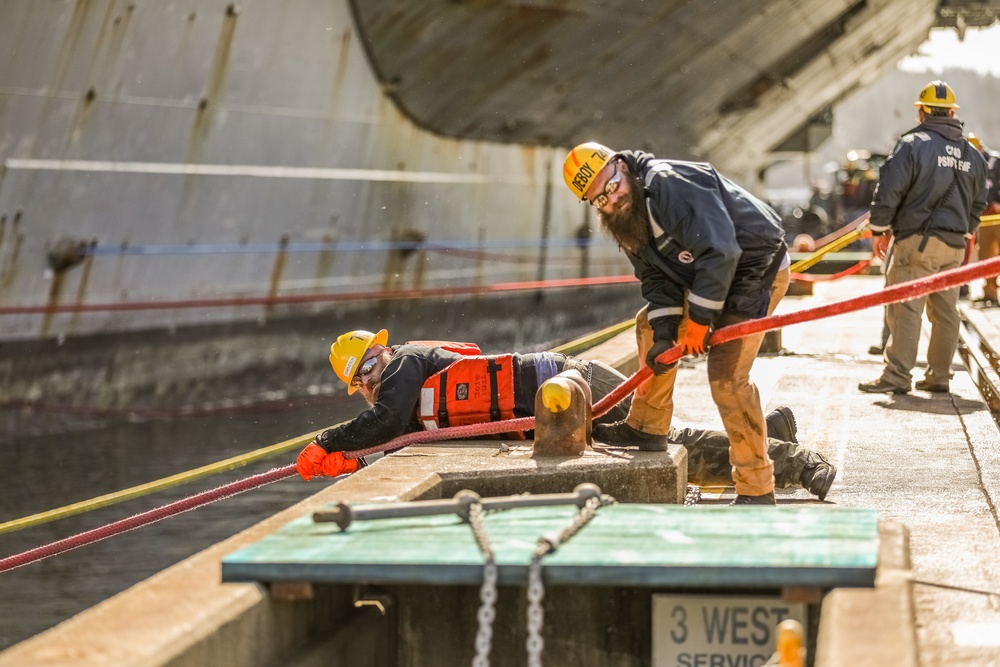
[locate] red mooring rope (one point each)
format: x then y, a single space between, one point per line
901 292
144 518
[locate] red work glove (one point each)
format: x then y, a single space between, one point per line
693 341
335 465
310 461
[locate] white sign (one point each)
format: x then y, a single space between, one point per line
710 631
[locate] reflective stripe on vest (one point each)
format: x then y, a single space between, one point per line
470 391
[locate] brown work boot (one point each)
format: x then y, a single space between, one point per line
781 424
766 499
620 433
926 385
881 386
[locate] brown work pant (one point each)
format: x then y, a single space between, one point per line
989 246
734 394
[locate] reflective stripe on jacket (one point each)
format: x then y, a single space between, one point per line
713 244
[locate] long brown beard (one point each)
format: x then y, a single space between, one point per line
373 386
629 226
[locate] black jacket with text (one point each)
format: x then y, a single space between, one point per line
918 175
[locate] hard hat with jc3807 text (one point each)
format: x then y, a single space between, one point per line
937 94
349 349
582 164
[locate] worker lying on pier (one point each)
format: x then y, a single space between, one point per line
399 382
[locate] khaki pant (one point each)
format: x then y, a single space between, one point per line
904 318
734 394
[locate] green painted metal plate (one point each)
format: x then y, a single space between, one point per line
624 545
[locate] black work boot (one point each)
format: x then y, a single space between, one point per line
620 433
766 499
781 424
818 476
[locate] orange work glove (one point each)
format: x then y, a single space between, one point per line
335 465
693 341
310 461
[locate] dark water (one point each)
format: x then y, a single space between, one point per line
40 473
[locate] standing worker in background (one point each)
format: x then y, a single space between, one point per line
931 191
404 386
707 253
989 235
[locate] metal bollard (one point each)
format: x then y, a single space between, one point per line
562 416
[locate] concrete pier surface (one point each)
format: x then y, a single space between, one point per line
927 462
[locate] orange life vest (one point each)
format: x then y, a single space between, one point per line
470 391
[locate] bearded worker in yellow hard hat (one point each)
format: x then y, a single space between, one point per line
930 194
708 254
436 384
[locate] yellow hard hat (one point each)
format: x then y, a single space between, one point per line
582 164
974 140
937 94
349 349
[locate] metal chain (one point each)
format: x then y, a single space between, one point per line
693 495
536 588
487 592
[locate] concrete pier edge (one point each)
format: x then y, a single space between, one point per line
876 626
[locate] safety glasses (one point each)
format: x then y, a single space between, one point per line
611 187
366 369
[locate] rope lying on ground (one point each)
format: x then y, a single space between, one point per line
901 292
